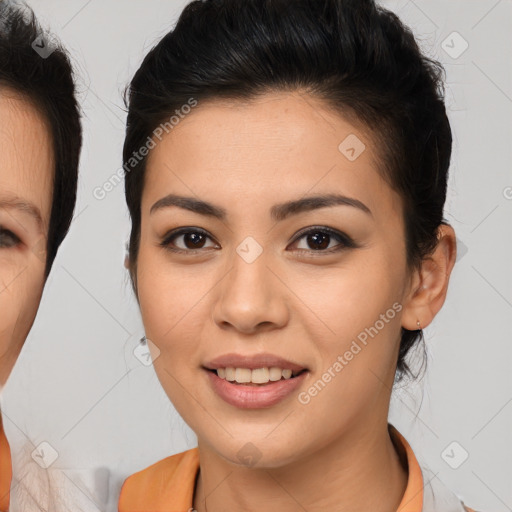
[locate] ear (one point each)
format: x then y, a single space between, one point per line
430 283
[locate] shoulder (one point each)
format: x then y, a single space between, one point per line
162 471
172 476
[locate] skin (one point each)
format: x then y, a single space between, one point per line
305 307
26 172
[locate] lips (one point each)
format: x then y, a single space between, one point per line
253 362
255 396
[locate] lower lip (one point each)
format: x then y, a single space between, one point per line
254 397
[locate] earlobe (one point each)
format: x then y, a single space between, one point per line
431 282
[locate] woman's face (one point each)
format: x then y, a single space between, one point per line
254 282
26 171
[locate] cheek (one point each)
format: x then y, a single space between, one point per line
20 294
171 309
356 350
356 317
345 300
169 300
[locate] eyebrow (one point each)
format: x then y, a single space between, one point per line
16 203
278 212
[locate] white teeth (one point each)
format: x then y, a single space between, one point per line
260 376
243 375
275 373
256 376
230 374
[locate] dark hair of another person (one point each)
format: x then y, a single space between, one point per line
353 54
48 84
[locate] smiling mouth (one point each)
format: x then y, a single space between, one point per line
256 377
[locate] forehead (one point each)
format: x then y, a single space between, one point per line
281 144
27 163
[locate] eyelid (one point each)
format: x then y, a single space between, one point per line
8 231
10 234
325 229
183 231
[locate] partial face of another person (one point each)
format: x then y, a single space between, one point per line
26 177
302 284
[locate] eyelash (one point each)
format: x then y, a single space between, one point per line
345 242
5 233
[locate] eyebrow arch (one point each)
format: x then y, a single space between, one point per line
15 203
278 212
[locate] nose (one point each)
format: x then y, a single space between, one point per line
251 297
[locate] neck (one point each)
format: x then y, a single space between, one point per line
359 471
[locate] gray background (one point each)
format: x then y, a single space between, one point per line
77 384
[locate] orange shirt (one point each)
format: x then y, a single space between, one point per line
5 470
168 485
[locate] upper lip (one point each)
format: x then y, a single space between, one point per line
252 362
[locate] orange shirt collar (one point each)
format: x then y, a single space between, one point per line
169 484
5 470
412 500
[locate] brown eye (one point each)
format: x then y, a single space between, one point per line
320 239
191 239
8 239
